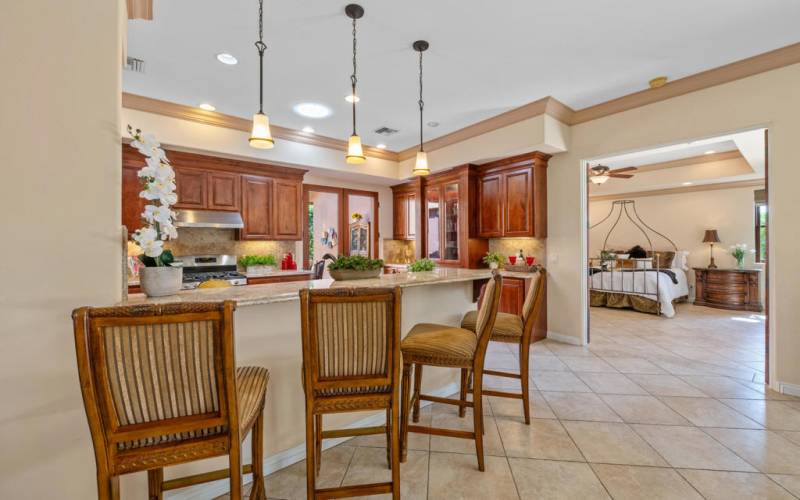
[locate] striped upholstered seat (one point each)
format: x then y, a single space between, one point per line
505 326
440 345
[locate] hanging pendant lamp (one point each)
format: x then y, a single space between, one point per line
421 163
355 152
261 137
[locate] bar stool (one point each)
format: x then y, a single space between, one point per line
513 329
160 387
351 363
451 347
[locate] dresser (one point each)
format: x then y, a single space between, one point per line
736 289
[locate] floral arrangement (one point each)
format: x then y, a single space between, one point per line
739 251
158 182
357 216
492 258
421 265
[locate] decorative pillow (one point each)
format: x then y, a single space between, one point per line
646 263
637 252
681 260
626 264
664 259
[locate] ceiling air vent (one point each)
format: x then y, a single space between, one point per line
385 131
135 65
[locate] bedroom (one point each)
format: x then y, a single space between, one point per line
656 218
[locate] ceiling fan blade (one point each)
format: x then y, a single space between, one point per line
626 169
620 176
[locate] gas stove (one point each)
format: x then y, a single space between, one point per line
200 268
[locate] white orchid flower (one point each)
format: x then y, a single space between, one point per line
153 248
144 235
162 190
161 214
168 232
149 147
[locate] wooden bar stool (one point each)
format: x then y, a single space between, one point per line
351 363
515 330
160 387
451 347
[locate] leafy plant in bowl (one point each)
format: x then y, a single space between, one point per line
421 265
355 268
258 264
493 259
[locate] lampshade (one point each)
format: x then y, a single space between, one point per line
261 137
355 153
598 179
711 236
421 165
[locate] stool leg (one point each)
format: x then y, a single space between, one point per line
155 478
107 487
394 444
477 414
417 390
462 410
405 410
311 467
318 441
258 490
389 441
524 362
235 463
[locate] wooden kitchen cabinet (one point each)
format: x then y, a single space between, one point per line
512 196
132 203
265 280
191 186
512 296
224 191
512 300
406 209
287 209
257 196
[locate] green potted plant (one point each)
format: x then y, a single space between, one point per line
355 268
258 264
739 251
493 259
158 278
421 265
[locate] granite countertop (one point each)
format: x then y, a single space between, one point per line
287 292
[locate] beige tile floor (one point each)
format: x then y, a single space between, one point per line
653 408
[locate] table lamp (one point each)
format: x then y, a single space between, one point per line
711 237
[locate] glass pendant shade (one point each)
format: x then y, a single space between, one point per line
355 153
598 179
421 164
261 137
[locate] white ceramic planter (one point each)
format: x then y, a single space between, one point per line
161 281
256 270
492 265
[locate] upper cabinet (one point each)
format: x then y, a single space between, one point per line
269 197
512 195
405 210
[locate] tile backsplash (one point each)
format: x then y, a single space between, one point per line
398 251
511 246
203 241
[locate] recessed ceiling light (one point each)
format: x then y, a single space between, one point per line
352 98
226 58
710 152
206 106
308 130
312 110
381 146
433 124
687 183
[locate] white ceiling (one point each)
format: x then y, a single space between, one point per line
485 57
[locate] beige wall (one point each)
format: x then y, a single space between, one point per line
768 99
683 218
62 244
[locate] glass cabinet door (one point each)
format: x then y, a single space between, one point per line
451 221
432 208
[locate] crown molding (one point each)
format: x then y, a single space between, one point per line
692 160
140 9
680 190
191 113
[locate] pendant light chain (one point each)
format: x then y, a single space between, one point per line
262 47
421 102
353 78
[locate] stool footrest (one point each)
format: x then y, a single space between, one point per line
205 477
501 394
354 491
360 431
502 374
446 401
436 431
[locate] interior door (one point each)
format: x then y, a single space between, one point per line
322 224
450 222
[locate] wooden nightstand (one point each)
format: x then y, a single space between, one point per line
728 288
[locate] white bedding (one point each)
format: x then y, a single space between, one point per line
641 282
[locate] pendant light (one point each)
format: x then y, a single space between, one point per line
355 153
261 137
421 163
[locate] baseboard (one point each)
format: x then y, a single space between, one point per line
560 337
285 458
790 389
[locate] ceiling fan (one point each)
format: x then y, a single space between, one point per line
600 173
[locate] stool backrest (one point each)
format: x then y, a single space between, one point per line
351 339
533 299
156 373
487 312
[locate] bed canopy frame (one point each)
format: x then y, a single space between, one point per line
621 207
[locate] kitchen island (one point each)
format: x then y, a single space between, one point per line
267 331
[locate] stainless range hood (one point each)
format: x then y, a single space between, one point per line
209 218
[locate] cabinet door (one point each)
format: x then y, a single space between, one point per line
223 191
451 220
191 187
288 203
399 223
411 217
490 199
518 200
256 208
512 297
132 204
434 225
